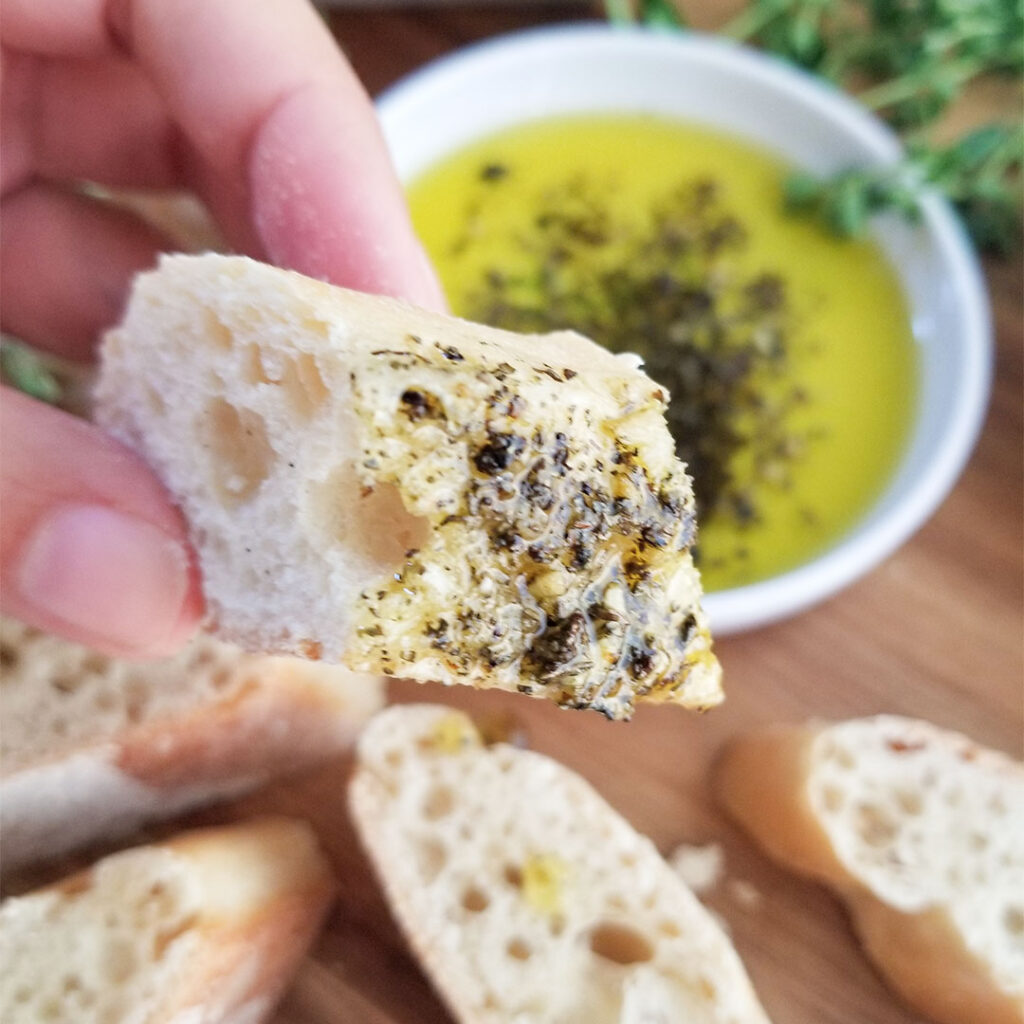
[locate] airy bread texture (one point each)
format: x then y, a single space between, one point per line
528 899
920 830
92 746
412 494
205 929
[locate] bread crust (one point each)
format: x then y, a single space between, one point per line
271 717
763 782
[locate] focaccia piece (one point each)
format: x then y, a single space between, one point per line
412 494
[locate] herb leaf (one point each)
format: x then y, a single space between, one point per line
24 369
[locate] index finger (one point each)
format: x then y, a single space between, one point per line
284 139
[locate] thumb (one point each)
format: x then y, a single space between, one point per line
91 547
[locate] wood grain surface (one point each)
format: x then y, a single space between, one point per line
936 632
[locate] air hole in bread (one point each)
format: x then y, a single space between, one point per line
380 528
8 656
707 988
475 900
94 663
220 678
556 924
136 701
217 331
669 928
978 840
432 857
620 944
514 875
120 961
155 401
65 684
518 949
832 798
394 758
439 803
241 454
910 802
1013 920
304 385
874 826
253 370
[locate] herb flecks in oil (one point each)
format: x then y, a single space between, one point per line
672 289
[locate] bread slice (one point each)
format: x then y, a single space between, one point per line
526 896
91 746
205 929
920 830
412 494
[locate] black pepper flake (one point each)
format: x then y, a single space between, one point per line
419 405
499 453
493 172
450 352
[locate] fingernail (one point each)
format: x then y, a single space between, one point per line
105 576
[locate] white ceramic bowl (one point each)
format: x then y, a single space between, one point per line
575 69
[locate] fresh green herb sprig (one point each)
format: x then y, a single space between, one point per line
908 60
24 369
662 14
979 173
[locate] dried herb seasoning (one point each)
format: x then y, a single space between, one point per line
672 290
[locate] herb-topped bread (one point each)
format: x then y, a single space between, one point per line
527 897
413 494
920 830
92 747
206 928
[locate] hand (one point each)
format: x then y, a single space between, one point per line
251 106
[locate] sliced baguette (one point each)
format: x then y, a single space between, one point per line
920 830
529 899
92 747
412 494
205 929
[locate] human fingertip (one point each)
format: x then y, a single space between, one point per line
108 579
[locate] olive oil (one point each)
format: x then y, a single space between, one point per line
849 355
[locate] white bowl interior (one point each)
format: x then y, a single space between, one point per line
546 72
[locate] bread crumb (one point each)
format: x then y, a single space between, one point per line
745 893
700 867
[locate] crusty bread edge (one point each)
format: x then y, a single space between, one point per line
761 780
925 960
292 888
180 761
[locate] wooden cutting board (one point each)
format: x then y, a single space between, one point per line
935 632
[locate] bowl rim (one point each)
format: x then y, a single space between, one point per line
871 539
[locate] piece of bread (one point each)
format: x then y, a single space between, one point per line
412 494
920 831
207 928
91 746
527 898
